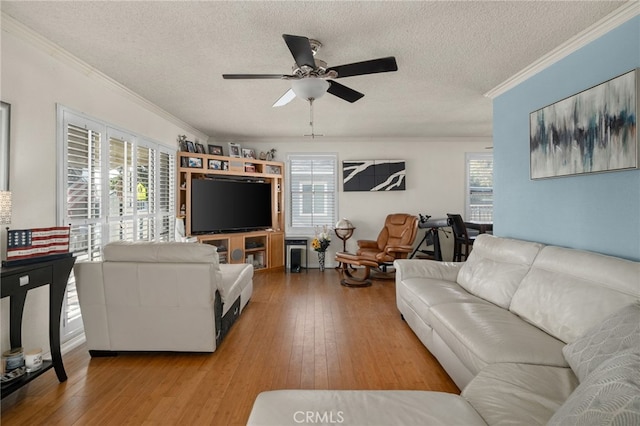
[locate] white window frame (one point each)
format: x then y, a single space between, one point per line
469 213
160 216
301 230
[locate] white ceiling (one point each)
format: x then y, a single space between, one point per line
449 55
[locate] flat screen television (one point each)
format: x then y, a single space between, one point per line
219 205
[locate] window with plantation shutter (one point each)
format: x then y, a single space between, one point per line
479 193
166 196
114 185
82 203
121 188
312 192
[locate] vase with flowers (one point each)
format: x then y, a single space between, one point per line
320 243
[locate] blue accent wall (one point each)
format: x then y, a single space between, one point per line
597 212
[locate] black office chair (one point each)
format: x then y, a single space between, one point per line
461 237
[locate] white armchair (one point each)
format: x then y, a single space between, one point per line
151 296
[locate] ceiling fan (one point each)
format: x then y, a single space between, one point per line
311 77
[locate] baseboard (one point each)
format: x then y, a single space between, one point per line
73 343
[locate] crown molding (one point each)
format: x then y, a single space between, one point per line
11 25
616 18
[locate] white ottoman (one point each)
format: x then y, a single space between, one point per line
361 408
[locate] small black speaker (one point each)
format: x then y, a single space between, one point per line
296 260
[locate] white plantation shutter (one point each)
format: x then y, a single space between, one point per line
146 192
479 194
82 204
166 195
122 195
312 191
100 193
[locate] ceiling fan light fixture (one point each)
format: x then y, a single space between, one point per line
310 88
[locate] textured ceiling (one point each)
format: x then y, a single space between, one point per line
448 53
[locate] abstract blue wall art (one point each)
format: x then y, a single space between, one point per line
373 175
593 131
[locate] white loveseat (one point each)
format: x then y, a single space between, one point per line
530 333
153 296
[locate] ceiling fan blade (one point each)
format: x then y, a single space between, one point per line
344 92
255 76
366 67
285 99
300 49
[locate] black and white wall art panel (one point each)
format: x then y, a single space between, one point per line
373 175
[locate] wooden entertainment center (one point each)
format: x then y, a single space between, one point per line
265 248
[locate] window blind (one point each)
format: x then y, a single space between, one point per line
479 197
166 195
312 191
83 207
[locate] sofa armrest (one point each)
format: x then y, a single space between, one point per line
421 268
93 305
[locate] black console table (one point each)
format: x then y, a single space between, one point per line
16 282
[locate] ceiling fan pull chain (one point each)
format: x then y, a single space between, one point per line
311 116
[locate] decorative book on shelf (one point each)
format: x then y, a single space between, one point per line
26 246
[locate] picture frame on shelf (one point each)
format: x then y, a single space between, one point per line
249 153
190 146
234 149
273 170
215 164
195 162
225 165
184 161
215 150
248 167
200 148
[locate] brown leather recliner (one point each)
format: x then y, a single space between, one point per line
395 241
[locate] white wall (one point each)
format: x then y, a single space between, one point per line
435 180
35 77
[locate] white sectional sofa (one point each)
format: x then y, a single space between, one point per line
148 296
531 334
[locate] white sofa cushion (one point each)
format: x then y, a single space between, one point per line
359 408
160 252
481 334
496 266
610 395
519 394
616 333
423 293
568 291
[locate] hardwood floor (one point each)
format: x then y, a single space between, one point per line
299 331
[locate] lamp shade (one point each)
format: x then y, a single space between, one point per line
310 88
5 207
